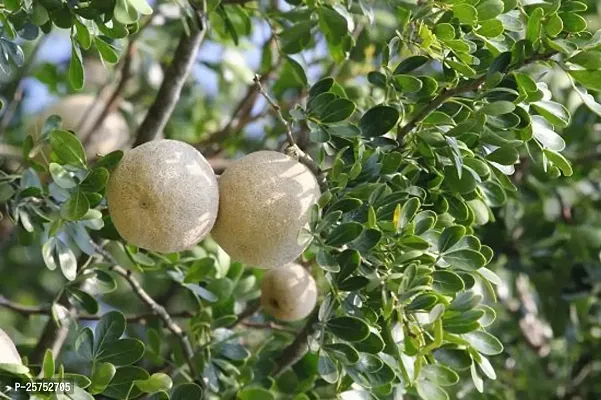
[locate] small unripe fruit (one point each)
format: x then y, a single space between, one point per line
264 208
8 351
288 293
163 196
79 113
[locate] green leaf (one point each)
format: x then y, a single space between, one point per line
465 259
342 352
102 375
588 100
589 78
534 25
121 384
590 59
61 177
349 260
544 133
335 111
498 108
84 344
491 28
121 352
373 344
344 233
447 282
66 259
48 364
409 64
484 342
187 391
464 184
553 112
439 374
96 180
553 25
83 34
488 9
334 25
504 156
6 191
430 391
294 39
297 70
378 121
321 86
351 329
559 161
76 75
125 13
450 236
141 6
109 329
106 51
76 207
110 161
157 382
327 369
68 148
465 13
253 393
408 83
83 299
572 22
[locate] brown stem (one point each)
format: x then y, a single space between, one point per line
175 78
297 349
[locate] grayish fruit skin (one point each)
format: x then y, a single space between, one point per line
79 113
163 196
8 351
288 293
265 202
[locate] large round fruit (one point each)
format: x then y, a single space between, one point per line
288 293
265 201
163 196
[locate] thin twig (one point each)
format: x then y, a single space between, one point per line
175 78
298 348
160 312
47 310
267 325
240 117
276 107
293 150
468 86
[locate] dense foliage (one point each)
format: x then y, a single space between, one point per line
455 243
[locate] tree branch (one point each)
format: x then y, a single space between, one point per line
298 348
467 86
175 77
